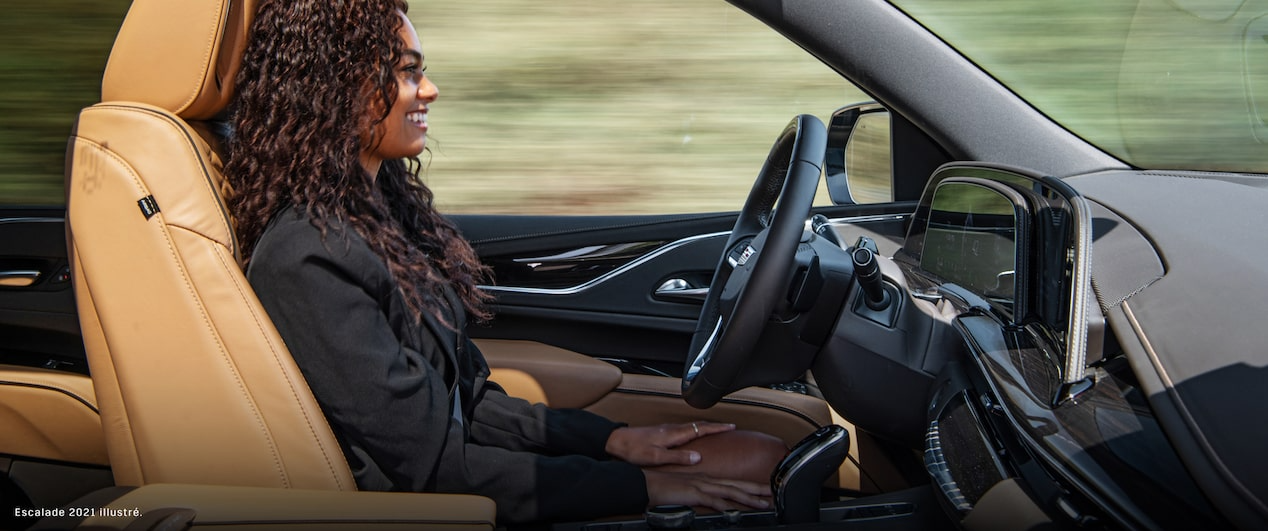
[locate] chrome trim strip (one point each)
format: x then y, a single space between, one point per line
868 219
584 254
938 468
31 220
657 253
1077 329
702 357
20 278
606 276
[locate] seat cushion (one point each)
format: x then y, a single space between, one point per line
50 415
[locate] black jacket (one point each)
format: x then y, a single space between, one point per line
387 383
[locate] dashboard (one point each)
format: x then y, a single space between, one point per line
1040 418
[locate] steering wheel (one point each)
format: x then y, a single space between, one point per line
754 272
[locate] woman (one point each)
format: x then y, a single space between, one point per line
371 287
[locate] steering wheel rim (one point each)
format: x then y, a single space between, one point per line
754 270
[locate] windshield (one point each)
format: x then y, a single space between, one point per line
1178 84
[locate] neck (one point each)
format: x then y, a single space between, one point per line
371 165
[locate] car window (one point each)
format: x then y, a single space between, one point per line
579 107
1164 84
576 107
52 55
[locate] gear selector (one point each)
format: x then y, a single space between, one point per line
798 479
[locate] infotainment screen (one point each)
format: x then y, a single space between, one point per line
971 240
1017 242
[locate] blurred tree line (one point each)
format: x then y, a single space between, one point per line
52 55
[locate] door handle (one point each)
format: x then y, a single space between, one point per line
677 289
18 278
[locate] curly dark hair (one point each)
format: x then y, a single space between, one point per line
313 72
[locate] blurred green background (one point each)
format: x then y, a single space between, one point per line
656 106
576 106
570 106
52 55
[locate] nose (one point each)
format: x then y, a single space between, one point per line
427 90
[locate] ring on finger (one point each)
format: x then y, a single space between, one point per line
696 428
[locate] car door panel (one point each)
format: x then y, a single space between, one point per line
615 312
38 323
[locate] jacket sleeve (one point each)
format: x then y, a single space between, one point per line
509 422
530 487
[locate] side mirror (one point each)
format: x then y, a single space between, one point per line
858 164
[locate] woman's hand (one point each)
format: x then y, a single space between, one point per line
653 445
670 488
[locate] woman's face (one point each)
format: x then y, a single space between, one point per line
404 132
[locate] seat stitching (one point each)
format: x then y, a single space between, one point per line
202 161
202 311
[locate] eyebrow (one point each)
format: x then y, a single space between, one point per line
413 53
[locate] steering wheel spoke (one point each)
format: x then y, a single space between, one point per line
753 273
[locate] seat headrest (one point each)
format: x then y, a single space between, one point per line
180 56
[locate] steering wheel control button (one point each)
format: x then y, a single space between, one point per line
670 517
741 255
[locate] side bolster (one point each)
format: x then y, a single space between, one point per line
117 431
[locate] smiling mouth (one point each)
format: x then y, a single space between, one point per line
418 118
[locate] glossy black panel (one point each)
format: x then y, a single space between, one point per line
566 268
38 323
1105 448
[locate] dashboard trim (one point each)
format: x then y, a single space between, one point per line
660 251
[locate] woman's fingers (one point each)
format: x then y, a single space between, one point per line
675 435
698 429
702 491
748 487
722 496
654 445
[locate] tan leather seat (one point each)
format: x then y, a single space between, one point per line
49 414
193 382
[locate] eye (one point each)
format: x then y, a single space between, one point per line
414 69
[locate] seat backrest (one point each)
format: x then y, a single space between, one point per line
193 382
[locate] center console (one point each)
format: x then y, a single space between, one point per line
797 487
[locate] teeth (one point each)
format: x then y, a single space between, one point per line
417 117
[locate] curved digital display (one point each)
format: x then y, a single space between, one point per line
971 240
